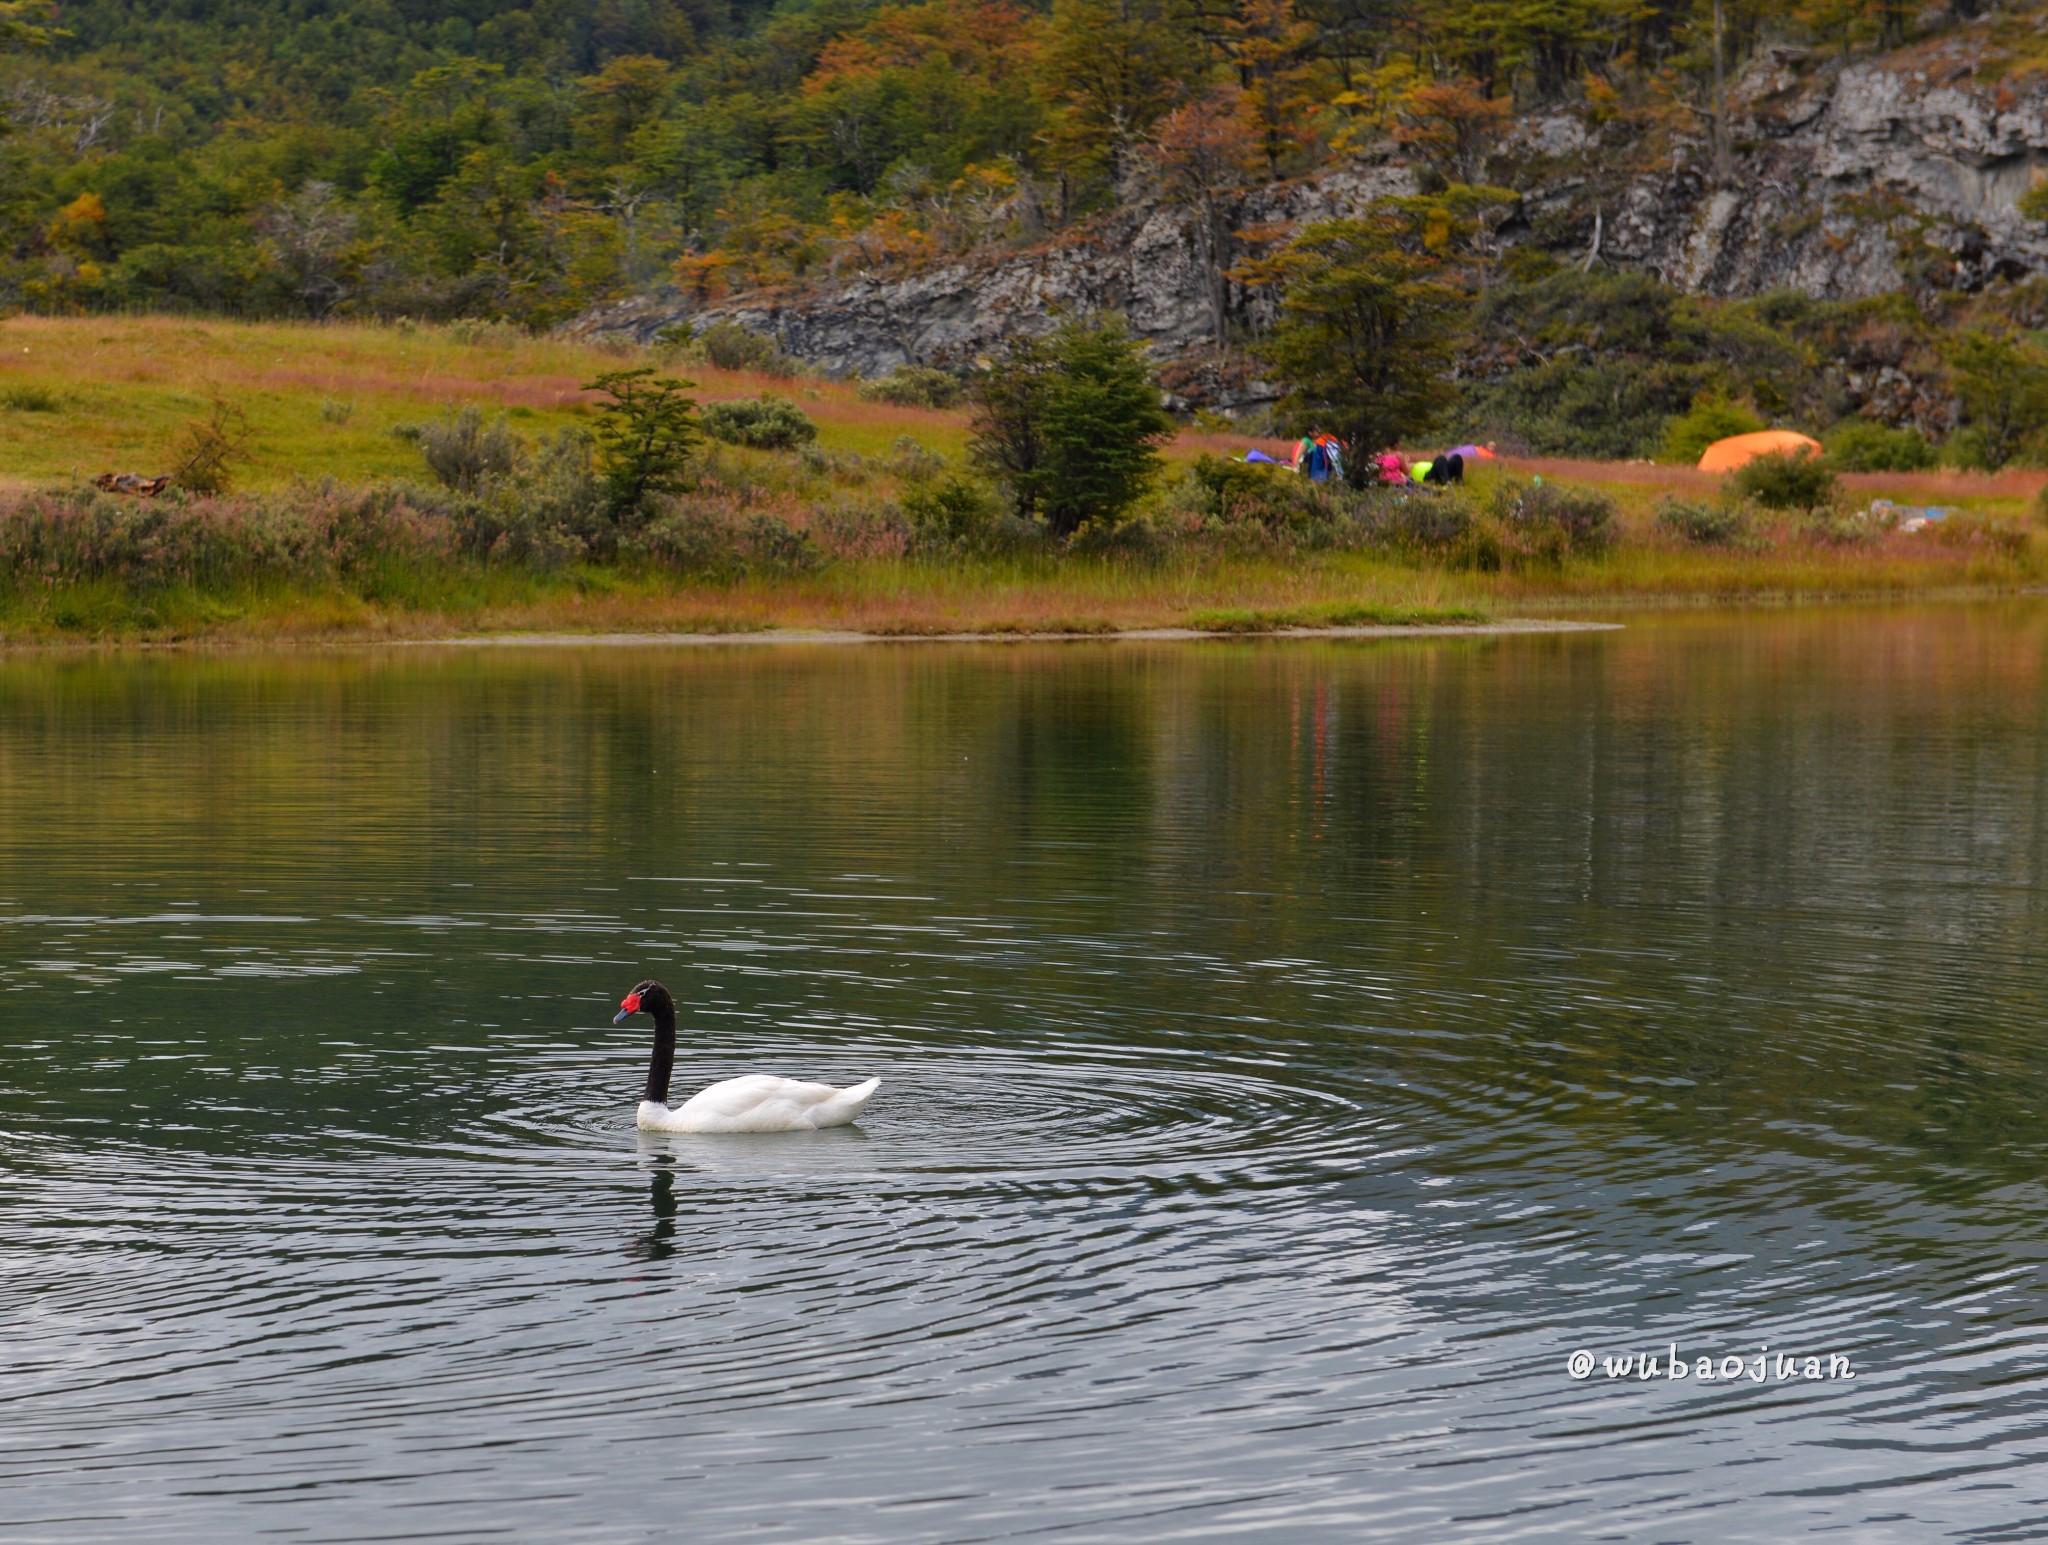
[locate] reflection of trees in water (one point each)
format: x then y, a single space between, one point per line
1688 857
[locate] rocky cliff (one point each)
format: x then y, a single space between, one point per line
1846 179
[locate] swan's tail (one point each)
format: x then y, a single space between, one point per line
846 1105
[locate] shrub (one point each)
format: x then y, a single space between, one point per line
1794 480
848 530
844 466
334 410
673 343
720 543
961 518
1434 523
312 532
645 437
1239 491
766 423
1966 530
1964 450
1861 446
211 448
463 451
1836 527
478 332
1555 517
548 510
29 399
1136 542
2041 505
730 346
915 386
911 461
1709 419
1702 522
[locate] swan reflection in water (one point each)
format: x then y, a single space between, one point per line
833 1156
658 1243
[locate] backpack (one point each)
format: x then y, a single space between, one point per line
1321 457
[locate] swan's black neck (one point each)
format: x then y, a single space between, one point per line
663 1062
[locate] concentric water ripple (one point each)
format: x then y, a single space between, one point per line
1290 1058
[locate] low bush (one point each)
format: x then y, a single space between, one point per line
1833 526
961 518
210 450
480 332
547 510
463 450
1425 522
309 533
912 461
840 466
845 529
914 386
1861 446
1136 541
1554 519
766 423
1794 480
29 399
711 540
1702 522
1231 490
1966 530
730 346
1707 420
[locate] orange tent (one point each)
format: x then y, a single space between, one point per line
1726 455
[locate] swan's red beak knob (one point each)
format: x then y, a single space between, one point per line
630 1004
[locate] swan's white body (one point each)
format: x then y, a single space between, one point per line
758 1103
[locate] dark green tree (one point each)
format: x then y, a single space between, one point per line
2003 383
1371 312
1071 424
645 436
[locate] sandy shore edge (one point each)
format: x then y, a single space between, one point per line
783 636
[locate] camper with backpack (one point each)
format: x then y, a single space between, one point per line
1320 457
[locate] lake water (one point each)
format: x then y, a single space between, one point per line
1291 1053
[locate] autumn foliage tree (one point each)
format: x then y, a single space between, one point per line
1451 125
1272 51
1108 70
1204 150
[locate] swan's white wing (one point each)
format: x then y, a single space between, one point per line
760 1103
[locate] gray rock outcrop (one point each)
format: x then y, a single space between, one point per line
1849 179
1143 263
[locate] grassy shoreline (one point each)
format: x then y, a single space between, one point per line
1233 602
112 394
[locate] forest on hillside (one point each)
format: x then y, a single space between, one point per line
525 161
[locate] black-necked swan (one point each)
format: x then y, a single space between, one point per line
755 1103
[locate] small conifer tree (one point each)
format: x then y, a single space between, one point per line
645 436
1071 424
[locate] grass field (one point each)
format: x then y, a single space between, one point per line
80 396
